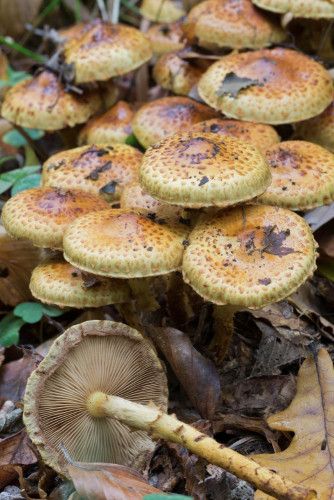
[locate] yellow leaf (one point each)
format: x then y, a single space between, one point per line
309 460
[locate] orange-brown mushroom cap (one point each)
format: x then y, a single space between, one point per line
162 11
99 169
42 214
319 129
314 9
41 102
176 74
249 256
92 356
166 38
268 86
125 243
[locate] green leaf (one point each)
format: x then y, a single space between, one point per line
18 173
14 138
4 185
30 312
15 77
52 311
326 268
10 330
28 182
132 140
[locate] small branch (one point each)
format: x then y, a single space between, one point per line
103 10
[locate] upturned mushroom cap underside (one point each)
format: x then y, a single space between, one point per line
314 9
133 196
93 356
165 116
273 86
199 170
107 50
260 135
162 11
100 169
302 176
319 129
55 281
42 103
126 243
42 214
176 74
249 256
233 23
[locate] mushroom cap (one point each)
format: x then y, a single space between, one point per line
166 38
72 33
176 74
200 170
277 86
42 214
106 50
99 169
125 243
92 356
302 176
319 129
41 102
162 11
314 9
163 117
133 196
55 281
233 23
113 126
260 135
249 256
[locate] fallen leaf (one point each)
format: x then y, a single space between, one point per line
15 450
309 459
226 421
325 239
233 84
319 216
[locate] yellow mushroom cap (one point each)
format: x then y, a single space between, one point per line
277 86
233 23
41 102
106 50
200 170
314 9
163 117
133 196
125 243
176 74
319 129
42 214
249 256
302 176
162 11
166 38
100 169
72 33
92 356
113 126
260 135
55 281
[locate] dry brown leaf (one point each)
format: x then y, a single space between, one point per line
226 421
14 14
14 450
309 460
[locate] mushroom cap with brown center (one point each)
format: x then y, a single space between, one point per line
133 196
233 23
165 116
176 74
166 38
42 214
314 9
162 11
107 50
41 102
200 170
302 176
319 129
113 126
272 86
92 356
260 135
125 243
249 256
99 169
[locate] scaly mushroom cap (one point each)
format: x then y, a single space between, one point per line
93 356
314 9
100 169
319 129
133 196
200 170
107 50
113 126
176 74
42 214
72 33
162 11
55 281
269 86
302 176
166 38
233 23
163 117
249 256
125 243
260 135
41 102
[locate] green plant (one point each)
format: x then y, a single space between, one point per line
20 179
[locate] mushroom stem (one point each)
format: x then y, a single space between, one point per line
223 330
160 425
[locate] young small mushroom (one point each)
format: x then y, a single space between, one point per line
162 11
315 9
176 74
318 129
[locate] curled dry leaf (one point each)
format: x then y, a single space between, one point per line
14 14
15 450
309 460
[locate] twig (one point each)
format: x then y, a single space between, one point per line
103 10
